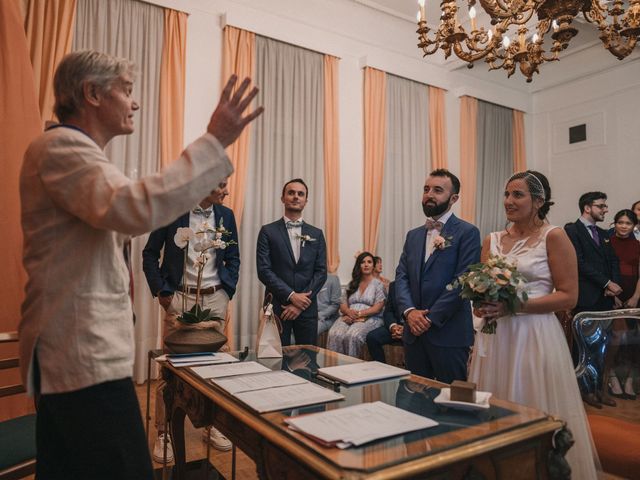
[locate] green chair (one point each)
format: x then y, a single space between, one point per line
17 435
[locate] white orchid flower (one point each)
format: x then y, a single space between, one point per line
205 226
183 236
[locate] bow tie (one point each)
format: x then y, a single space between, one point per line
295 224
201 211
434 224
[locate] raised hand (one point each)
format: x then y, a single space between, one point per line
227 122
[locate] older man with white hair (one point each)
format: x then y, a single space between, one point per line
76 334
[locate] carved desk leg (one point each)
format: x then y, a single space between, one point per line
558 466
182 400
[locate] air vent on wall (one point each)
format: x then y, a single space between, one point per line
578 133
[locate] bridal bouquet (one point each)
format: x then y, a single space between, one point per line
496 280
205 238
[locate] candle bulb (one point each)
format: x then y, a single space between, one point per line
422 15
472 16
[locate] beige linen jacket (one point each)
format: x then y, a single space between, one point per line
77 209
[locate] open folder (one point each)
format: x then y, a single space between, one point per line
358 424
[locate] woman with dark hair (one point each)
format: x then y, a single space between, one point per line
361 309
627 250
635 208
527 360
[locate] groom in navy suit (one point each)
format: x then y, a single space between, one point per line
291 260
439 326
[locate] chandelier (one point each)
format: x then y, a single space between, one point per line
617 20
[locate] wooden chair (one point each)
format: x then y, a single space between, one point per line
17 435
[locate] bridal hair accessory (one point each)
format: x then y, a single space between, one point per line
535 188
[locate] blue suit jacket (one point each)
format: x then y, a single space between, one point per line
423 285
279 272
164 279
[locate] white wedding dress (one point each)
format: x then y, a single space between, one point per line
527 360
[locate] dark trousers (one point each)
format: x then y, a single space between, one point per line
305 331
92 433
376 340
445 364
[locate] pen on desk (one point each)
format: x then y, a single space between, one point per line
333 383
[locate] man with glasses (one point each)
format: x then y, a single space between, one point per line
598 270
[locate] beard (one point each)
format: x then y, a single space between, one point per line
434 210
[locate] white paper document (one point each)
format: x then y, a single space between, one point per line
292 396
358 424
218 371
258 381
362 372
189 360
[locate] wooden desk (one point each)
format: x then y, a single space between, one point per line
506 441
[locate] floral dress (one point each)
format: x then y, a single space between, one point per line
350 339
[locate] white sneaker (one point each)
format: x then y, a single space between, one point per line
217 440
158 449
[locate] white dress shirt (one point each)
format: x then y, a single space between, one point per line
294 237
210 276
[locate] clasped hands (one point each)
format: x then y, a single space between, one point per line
396 331
612 290
418 321
299 303
350 316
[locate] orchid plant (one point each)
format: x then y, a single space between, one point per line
204 239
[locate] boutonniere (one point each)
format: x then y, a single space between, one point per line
440 242
304 239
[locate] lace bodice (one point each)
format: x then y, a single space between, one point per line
532 260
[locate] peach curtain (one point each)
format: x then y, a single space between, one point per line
331 162
172 85
437 128
19 124
374 152
519 151
468 156
238 57
49 28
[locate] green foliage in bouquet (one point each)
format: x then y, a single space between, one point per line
197 315
496 280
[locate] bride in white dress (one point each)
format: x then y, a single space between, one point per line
527 360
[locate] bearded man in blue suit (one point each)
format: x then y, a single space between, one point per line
439 326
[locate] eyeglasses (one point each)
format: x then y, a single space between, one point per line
600 205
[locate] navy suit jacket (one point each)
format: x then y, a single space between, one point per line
423 285
164 279
596 266
279 272
391 313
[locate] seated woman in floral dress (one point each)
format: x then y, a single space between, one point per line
361 310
